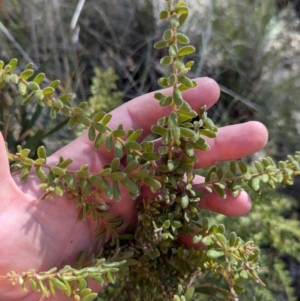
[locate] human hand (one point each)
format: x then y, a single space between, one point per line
46 234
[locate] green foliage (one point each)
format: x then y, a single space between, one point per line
223 268
275 228
27 125
252 51
104 95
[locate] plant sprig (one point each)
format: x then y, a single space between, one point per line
169 171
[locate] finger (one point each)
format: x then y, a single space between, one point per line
231 206
144 111
187 241
233 142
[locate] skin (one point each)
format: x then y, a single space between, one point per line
46 234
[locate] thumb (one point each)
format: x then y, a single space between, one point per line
4 165
8 188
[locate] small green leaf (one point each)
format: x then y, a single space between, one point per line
132 165
65 163
22 88
182 18
55 84
168 34
97 182
29 66
83 120
141 174
33 86
58 190
117 176
232 239
39 78
108 143
130 185
159 130
208 133
98 117
187 133
114 165
135 135
219 190
34 285
172 79
189 150
207 240
48 91
99 127
118 149
265 178
255 184
26 74
242 166
176 298
182 38
162 150
182 9
197 239
13 63
258 166
132 145
58 171
72 121
154 184
65 97
53 112
58 104
221 239
39 95
185 81
232 167
99 141
116 191
174 22
2 83
177 97
161 44
58 284
173 49
186 50
92 133
106 119
184 201
201 144
14 78
159 96
164 14
151 156
85 186
41 174
84 292
25 172
215 253
189 293
70 181
163 81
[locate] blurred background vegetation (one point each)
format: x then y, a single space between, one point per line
102 51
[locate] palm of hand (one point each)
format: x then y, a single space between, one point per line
47 234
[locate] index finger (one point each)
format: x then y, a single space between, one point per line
144 111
